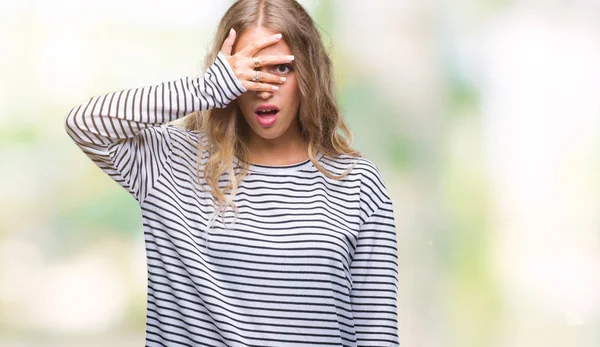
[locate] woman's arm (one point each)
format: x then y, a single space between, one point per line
125 133
374 272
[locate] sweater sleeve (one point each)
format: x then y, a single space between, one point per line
374 271
125 133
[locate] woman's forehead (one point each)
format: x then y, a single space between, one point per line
258 33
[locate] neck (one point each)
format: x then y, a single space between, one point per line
284 150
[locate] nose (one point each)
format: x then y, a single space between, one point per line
264 95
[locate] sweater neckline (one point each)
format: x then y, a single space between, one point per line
303 165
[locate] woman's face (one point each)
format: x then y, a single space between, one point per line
287 99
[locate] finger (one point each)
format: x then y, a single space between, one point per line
265 60
228 44
264 77
252 48
259 87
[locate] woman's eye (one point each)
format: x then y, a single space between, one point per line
283 68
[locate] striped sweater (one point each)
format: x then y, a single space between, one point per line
309 261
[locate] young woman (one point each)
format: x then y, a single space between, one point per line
262 226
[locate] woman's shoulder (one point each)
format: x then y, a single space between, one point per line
359 164
363 169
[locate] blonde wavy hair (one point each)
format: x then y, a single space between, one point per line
322 126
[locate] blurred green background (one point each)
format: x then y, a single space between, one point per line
483 117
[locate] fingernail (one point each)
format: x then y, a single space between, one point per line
282 79
231 31
275 88
290 57
279 36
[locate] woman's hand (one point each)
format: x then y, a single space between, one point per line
242 62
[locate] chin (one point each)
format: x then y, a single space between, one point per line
268 133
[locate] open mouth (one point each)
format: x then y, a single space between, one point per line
266 115
264 111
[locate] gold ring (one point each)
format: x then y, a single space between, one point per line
256 63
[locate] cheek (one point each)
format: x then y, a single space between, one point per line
291 90
242 102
